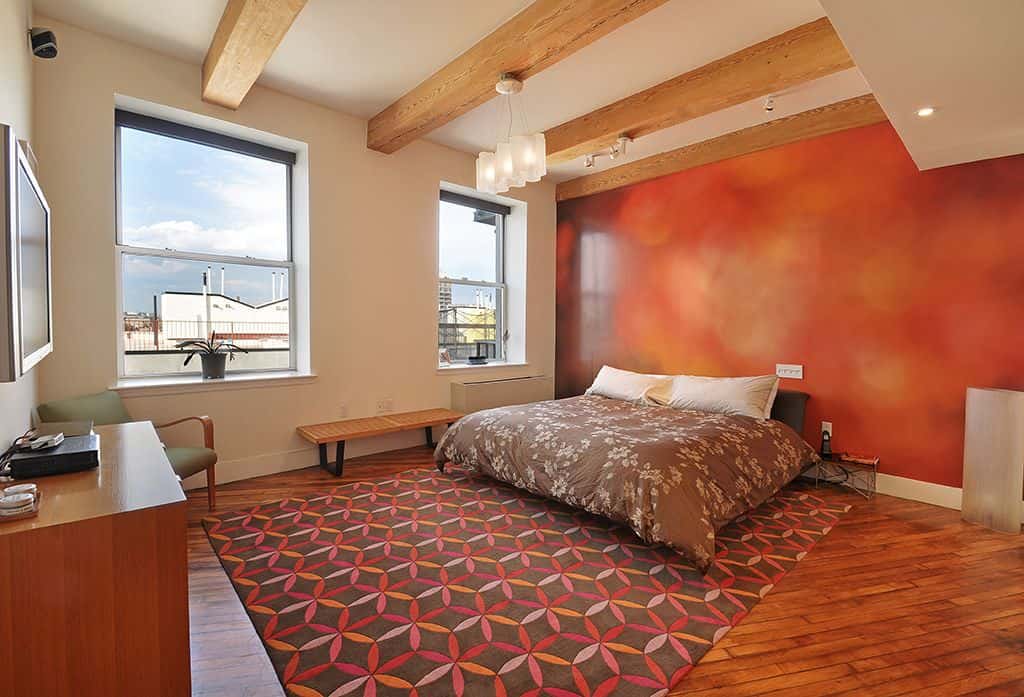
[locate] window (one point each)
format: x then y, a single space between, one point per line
204 246
471 279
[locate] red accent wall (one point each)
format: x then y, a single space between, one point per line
896 289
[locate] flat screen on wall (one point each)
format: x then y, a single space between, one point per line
26 314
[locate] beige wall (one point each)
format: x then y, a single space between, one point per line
373 254
16 399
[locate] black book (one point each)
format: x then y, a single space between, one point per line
74 454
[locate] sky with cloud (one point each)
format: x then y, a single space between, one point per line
193 198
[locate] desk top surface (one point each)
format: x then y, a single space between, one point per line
133 474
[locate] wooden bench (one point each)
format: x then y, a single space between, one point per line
340 431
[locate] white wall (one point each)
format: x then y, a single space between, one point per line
373 222
16 399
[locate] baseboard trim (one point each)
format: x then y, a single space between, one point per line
300 458
256 466
288 460
917 490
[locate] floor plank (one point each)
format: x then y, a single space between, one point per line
900 599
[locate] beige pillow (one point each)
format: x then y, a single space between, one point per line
626 385
747 396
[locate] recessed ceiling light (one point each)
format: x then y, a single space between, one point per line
925 111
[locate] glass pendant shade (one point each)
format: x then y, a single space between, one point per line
506 164
517 160
486 173
530 156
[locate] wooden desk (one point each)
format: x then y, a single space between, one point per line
94 590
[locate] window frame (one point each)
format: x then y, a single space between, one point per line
178 131
501 287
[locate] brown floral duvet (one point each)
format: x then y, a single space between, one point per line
674 476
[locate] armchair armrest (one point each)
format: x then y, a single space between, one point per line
207 423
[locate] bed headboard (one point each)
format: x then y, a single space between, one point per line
789 408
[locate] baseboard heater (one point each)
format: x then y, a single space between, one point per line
473 396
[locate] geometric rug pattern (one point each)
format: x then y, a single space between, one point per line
428 583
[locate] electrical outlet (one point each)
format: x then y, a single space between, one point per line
793 371
342 410
385 405
826 427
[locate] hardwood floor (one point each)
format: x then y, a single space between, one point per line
900 599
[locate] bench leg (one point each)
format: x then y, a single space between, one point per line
430 436
338 460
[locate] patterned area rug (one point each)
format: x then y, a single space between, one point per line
450 584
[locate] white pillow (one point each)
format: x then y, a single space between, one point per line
623 384
752 396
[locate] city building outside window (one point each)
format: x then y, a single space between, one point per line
203 245
471 279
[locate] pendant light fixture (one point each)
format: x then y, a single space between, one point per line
518 158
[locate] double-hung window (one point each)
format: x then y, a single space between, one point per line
471 279
203 246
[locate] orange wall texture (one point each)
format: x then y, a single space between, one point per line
896 289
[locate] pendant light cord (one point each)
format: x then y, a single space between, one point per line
522 113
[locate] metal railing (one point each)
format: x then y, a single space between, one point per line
154 335
467 331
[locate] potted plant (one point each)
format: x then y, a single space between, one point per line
212 352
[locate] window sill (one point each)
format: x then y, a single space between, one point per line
466 367
181 384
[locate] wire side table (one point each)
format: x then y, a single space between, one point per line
858 473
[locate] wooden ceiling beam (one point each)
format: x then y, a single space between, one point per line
535 39
804 53
247 36
840 116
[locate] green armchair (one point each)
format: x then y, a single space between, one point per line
107 408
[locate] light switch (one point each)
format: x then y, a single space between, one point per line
789 370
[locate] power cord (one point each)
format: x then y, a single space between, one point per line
16 445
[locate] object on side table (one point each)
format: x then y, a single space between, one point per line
477 360
859 472
106 408
994 459
73 454
19 501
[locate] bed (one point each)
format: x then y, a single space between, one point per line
673 476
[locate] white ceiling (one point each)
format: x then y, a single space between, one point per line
964 58
359 55
354 55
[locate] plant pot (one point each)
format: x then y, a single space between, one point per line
213 365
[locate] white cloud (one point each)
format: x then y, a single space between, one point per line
264 240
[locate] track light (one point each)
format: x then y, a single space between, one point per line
613 153
619 148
